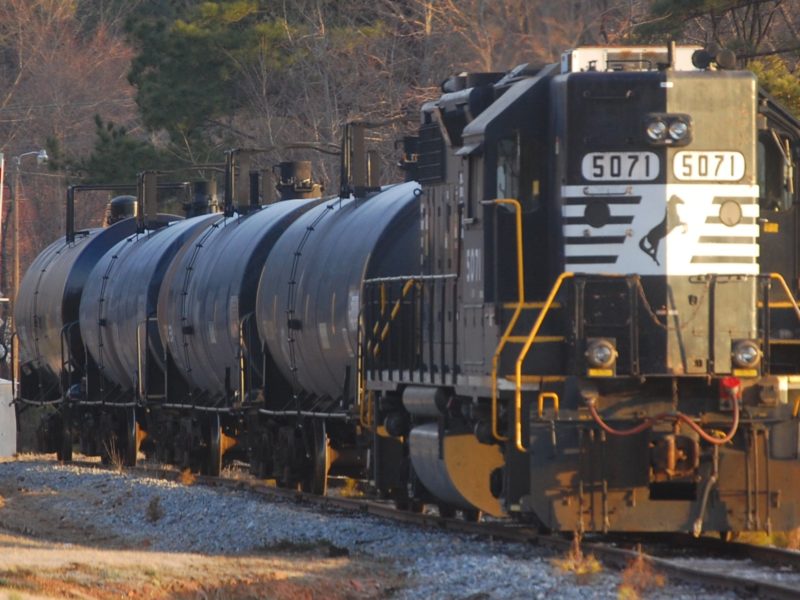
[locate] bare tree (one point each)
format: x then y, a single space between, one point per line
54 78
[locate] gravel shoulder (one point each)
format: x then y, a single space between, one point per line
69 531
51 547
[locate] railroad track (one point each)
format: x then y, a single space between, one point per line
763 566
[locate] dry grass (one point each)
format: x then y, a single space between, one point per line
234 472
114 454
350 489
639 578
154 510
584 566
187 477
793 539
780 539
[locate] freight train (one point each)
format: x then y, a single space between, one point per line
578 310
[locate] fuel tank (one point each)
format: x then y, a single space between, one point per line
121 297
209 291
310 290
49 299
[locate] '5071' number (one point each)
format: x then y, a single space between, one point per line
708 166
620 166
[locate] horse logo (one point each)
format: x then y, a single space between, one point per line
649 243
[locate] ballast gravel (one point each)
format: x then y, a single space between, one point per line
172 517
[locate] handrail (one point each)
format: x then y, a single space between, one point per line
524 352
548 396
139 362
361 392
384 332
240 352
793 303
517 311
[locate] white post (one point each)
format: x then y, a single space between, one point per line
3 296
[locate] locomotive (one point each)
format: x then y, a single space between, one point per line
579 310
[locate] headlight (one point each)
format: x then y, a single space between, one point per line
678 130
601 354
746 354
656 130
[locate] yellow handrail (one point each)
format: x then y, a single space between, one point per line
548 396
407 287
361 376
517 311
364 397
524 352
778 277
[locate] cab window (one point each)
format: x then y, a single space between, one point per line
775 171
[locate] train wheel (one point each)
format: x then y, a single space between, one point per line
472 515
215 449
447 511
413 505
317 481
132 437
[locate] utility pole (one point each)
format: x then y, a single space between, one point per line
41 158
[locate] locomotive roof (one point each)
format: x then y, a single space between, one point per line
626 58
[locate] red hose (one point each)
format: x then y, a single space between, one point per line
650 421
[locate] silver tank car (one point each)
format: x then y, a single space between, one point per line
48 301
121 296
211 288
310 290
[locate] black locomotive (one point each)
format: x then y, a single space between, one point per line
579 310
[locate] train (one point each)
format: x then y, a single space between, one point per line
578 309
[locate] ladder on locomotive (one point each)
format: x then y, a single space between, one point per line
511 337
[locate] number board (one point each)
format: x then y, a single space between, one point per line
689 165
620 166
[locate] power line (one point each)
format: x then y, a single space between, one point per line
26 107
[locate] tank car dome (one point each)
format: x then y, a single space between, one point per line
120 208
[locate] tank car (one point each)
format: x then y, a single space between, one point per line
46 322
308 315
117 314
55 364
206 316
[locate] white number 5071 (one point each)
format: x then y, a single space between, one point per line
620 166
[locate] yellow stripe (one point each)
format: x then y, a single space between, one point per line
521 339
528 305
745 372
536 378
777 305
600 372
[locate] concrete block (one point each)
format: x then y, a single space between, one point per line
8 421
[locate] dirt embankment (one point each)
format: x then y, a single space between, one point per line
44 553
